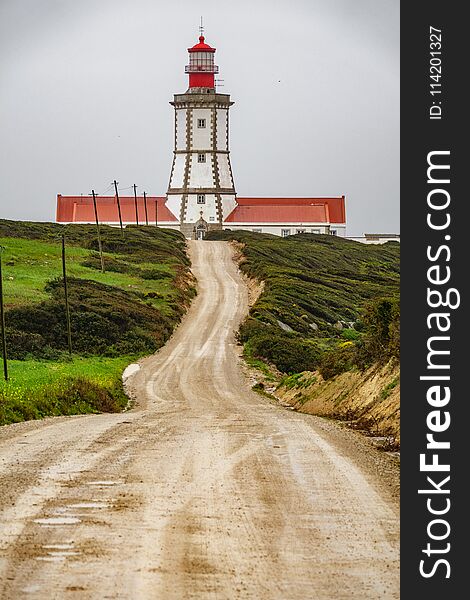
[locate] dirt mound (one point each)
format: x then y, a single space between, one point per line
369 400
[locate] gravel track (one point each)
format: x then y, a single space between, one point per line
203 490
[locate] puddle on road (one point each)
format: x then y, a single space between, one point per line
51 558
58 521
58 552
93 504
104 482
31 589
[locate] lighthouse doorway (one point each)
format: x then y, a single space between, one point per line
200 231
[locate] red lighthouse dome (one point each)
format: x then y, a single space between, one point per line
201 68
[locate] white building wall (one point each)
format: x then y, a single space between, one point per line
200 174
173 203
177 177
277 229
378 240
201 136
225 177
209 209
180 129
222 141
228 204
339 230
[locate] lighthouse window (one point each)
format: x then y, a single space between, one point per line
201 199
201 123
201 158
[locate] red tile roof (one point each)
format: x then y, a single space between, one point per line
271 213
80 209
249 210
288 210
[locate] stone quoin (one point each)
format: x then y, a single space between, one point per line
201 192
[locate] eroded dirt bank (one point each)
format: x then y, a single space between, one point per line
369 400
203 490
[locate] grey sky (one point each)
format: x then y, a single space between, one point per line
85 86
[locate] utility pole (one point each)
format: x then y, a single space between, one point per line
136 209
2 320
119 207
67 310
145 206
100 247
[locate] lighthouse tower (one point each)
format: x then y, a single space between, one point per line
201 192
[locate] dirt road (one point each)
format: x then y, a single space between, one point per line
203 490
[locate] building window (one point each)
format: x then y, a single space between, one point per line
201 158
300 231
333 232
285 232
201 199
257 230
201 123
211 218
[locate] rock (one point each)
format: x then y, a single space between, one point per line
283 326
313 326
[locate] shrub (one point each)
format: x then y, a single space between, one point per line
350 334
290 353
382 330
104 320
22 344
337 360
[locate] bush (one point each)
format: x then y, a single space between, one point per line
74 395
338 360
22 344
290 353
104 320
381 319
350 334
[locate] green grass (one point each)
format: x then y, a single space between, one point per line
29 264
36 389
297 380
318 285
387 390
130 310
258 364
26 376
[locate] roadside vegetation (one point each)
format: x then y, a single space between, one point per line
128 311
324 333
328 304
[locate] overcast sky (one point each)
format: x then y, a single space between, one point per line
85 86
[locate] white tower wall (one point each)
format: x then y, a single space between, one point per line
222 129
201 188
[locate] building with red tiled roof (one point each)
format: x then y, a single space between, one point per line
201 193
79 209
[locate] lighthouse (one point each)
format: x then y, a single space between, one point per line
201 193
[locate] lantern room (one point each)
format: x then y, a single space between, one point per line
201 68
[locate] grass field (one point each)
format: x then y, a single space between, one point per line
81 385
130 310
316 293
26 376
29 264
